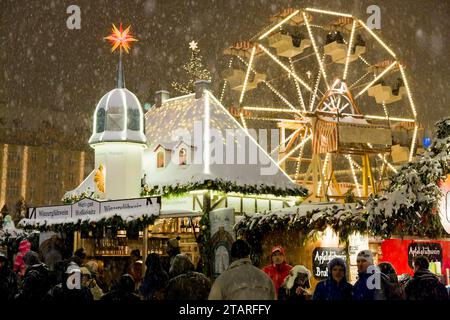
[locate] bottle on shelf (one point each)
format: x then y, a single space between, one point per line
197 226
182 226
189 226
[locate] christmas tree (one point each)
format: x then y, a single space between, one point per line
195 71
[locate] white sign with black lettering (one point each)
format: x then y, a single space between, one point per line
91 209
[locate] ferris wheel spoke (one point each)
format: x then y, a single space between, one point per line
285 140
355 179
381 75
295 149
275 91
282 65
297 86
377 38
349 49
408 91
247 74
316 50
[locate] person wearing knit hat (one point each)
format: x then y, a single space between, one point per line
278 270
296 286
368 285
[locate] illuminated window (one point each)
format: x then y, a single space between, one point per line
115 119
133 119
160 159
182 155
101 120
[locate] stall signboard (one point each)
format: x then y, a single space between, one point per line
85 208
322 256
93 209
433 251
50 213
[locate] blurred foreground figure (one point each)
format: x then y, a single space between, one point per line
185 283
242 280
8 280
424 285
124 291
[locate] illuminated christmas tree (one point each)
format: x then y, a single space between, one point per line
195 71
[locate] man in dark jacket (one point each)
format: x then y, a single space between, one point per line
36 279
424 285
8 280
124 291
61 292
368 286
335 287
185 283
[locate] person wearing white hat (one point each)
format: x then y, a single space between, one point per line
296 286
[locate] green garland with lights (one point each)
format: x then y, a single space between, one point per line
223 186
408 206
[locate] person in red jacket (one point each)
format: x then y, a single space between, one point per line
279 269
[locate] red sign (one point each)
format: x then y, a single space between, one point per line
396 252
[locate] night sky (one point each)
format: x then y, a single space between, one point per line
46 65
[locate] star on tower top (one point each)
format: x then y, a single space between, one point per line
193 45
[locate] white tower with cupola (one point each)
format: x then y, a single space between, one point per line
118 135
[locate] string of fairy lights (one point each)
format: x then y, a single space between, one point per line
314 87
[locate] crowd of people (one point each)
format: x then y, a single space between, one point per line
29 278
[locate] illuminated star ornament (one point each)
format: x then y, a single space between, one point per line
193 45
120 38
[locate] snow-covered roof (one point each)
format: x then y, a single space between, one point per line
192 120
85 186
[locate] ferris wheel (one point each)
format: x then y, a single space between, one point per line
336 92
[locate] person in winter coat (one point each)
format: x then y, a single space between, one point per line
36 281
424 285
96 268
88 281
296 286
185 283
278 270
335 287
242 280
124 291
155 279
389 281
8 280
62 293
19 265
368 286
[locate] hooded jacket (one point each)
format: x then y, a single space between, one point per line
24 247
185 283
277 273
425 286
35 283
155 280
124 291
329 289
242 281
